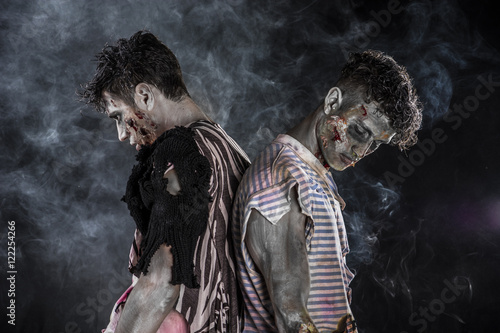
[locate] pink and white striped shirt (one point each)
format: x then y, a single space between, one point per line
284 164
214 307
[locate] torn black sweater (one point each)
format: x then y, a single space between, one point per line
176 220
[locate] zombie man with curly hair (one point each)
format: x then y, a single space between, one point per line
289 233
179 193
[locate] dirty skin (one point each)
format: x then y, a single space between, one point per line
338 127
322 160
143 127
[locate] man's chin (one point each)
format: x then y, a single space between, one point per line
344 162
340 165
337 168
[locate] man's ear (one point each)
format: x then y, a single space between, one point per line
333 101
144 96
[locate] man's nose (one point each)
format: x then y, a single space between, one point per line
122 131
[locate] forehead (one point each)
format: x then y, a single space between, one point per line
111 101
108 97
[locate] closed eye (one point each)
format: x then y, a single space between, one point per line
361 131
114 115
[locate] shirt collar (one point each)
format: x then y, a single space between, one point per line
304 153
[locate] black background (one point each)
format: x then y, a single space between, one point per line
415 227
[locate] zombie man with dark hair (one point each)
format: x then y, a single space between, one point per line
179 193
287 223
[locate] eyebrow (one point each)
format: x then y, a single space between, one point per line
107 101
367 129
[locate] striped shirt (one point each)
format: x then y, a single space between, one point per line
285 164
214 306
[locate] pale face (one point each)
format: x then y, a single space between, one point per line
351 134
131 122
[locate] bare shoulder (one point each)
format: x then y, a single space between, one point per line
264 238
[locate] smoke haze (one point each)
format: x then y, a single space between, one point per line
257 68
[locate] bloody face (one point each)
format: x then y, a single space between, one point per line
351 134
131 122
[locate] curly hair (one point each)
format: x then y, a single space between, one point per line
381 79
120 68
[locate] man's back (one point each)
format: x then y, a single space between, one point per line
214 305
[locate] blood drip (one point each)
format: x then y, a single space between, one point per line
364 110
336 135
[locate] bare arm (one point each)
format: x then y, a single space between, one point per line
280 253
153 297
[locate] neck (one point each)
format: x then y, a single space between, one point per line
305 131
322 160
179 113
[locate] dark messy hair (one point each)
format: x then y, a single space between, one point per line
381 79
120 68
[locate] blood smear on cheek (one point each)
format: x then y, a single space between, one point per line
339 128
336 135
131 124
340 135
